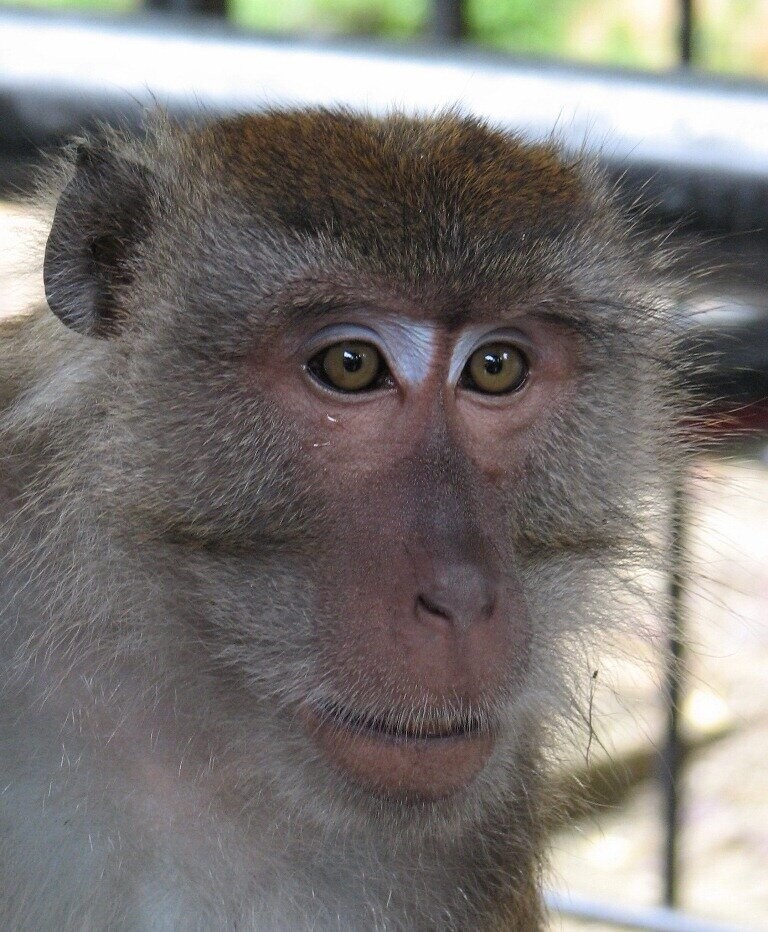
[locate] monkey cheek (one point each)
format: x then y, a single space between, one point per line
406 769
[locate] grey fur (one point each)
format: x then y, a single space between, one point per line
157 529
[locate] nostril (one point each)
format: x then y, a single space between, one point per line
428 605
488 607
463 598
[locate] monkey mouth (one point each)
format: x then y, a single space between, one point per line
416 726
415 757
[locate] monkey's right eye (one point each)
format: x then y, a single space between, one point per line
350 366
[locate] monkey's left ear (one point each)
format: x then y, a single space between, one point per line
101 215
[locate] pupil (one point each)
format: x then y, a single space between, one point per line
352 361
494 363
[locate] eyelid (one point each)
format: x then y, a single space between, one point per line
338 333
473 339
407 347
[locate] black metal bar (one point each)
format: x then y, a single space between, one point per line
672 750
449 21
189 7
686 32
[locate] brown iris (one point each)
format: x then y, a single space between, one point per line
349 366
495 369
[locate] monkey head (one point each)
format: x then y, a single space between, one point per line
378 412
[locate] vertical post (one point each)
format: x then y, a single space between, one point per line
671 755
448 21
686 32
189 7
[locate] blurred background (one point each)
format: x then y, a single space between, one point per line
669 800
731 35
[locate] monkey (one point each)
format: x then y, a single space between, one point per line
338 439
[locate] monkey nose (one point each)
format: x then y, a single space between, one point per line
460 597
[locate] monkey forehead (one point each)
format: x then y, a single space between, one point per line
432 315
320 170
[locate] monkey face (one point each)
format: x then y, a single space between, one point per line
418 428
358 434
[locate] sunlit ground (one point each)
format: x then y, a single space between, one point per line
615 854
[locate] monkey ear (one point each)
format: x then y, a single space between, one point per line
102 213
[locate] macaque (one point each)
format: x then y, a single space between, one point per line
324 464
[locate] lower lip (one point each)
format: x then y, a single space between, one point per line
406 768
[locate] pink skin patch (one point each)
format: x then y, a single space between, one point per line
424 609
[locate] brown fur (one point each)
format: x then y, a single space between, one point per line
168 531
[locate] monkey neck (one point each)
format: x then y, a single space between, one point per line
173 826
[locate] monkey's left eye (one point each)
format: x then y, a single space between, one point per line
495 369
350 366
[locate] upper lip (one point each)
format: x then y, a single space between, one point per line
416 725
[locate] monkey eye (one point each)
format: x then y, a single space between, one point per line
495 369
350 366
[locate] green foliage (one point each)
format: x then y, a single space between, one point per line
621 46
523 25
395 18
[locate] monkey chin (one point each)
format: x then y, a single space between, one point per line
403 767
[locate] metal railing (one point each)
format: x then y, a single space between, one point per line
698 147
651 919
